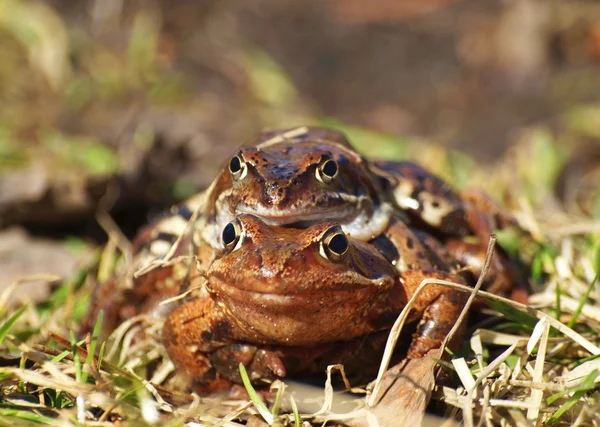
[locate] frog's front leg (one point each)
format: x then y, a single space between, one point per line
483 214
504 278
263 365
440 307
200 340
192 331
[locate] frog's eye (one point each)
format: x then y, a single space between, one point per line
334 244
238 168
327 171
233 235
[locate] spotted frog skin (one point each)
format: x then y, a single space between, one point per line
435 207
276 292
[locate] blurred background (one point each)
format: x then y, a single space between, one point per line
129 106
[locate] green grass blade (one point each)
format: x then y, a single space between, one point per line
75 357
61 356
93 343
20 415
582 302
277 402
297 422
587 384
10 322
523 319
258 403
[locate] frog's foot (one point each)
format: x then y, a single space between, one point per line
484 215
262 365
193 331
441 307
504 277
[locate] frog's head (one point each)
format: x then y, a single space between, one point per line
280 282
300 180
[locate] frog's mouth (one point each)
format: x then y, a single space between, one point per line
247 293
301 218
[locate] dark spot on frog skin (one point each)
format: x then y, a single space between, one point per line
220 330
386 247
183 211
210 375
410 244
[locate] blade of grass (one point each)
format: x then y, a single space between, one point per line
258 403
277 402
92 350
522 318
76 359
10 322
61 356
583 388
28 416
582 302
297 421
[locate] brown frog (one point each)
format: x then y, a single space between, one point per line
275 294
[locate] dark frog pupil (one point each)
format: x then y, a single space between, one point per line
228 234
338 244
330 168
235 165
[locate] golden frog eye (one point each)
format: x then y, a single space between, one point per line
238 168
334 244
233 235
327 171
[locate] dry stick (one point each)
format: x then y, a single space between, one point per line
111 228
537 394
468 407
484 272
397 327
282 137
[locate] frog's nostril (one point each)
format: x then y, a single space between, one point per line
274 192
